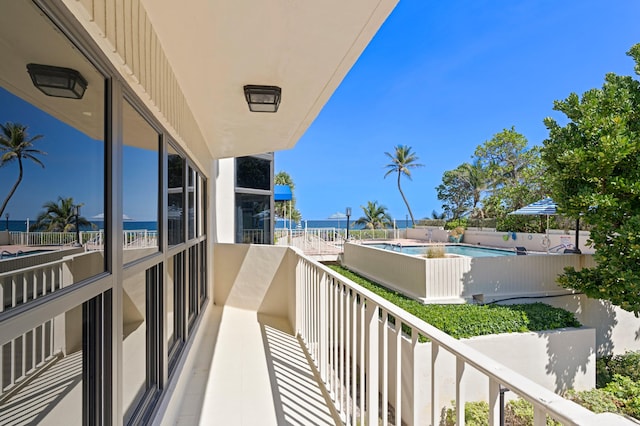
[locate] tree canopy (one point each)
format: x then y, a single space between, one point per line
504 174
593 168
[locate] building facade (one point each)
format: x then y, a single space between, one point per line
121 122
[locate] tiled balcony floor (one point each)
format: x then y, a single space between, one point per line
256 374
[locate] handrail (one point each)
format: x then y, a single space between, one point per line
21 286
325 297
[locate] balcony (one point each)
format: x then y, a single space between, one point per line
291 342
287 341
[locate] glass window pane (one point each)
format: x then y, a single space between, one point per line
58 143
202 205
252 172
253 219
175 290
171 302
141 184
191 199
175 197
50 356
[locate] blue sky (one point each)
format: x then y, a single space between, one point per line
73 164
444 77
74 167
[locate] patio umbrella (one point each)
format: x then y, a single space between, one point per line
338 216
547 207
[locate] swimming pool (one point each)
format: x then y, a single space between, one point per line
8 255
459 249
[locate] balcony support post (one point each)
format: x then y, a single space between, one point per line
494 403
372 391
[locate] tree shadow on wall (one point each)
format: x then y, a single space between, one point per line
566 358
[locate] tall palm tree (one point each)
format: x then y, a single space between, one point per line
59 217
402 161
375 216
15 145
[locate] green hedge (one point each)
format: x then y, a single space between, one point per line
463 321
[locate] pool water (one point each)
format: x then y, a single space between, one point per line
8 255
462 250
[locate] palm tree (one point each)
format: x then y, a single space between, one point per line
15 145
59 217
402 161
282 207
476 177
375 216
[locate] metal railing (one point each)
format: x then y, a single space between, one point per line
24 354
140 238
312 240
93 240
355 338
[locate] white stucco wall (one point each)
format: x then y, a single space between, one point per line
617 331
457 279
223 212
256 277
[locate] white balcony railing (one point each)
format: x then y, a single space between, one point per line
355 338
26 353
93 240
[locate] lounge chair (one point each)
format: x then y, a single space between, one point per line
521 251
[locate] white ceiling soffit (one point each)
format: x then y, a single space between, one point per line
305 47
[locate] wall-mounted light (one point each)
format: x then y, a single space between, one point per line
57 81
263 98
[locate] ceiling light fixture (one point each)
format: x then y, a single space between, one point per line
263 98
57 81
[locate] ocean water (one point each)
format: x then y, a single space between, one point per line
332 223
128 225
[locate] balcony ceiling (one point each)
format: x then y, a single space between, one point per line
305 47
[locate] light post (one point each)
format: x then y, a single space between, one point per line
76 213
6 216
348 213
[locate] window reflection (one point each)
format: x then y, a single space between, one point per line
252 172
175 198
253 218
191 199
51 356
52 158
134 347
202 200
141 185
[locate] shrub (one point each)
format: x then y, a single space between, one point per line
627 364
435 252
628 392
596 400
602 371
475 414
518 412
